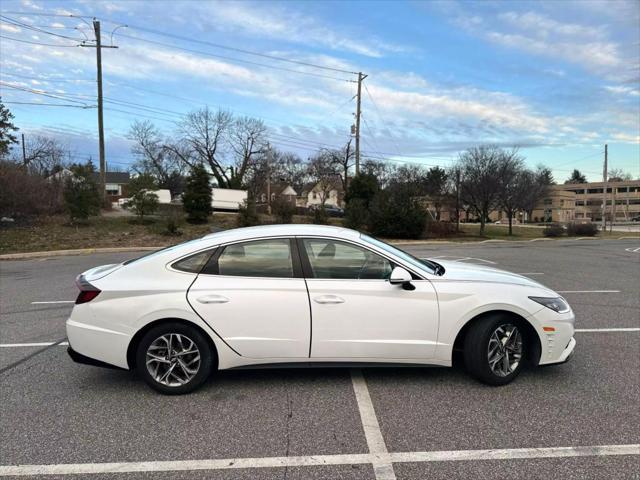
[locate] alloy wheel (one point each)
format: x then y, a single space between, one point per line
505 350
173 359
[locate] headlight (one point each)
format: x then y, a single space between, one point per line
557 304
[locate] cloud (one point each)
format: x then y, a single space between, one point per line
626 138
291 26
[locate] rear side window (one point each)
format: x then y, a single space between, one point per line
333 259
193 263
261 258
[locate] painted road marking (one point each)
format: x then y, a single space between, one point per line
596 330
588 291
632 250
315 460
382 467
531 273
452 258
37 344
53 301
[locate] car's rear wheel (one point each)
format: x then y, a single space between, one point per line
494 349
174 358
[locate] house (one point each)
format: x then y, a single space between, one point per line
278 191
314 193
115 182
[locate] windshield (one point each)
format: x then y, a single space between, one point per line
432 267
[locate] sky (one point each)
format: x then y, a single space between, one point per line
558 79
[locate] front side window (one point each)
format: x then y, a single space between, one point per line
261 258
338 260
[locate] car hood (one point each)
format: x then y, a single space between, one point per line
468 272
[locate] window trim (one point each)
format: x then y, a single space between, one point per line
212 268
308 271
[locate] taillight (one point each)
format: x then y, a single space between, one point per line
87 291
86 296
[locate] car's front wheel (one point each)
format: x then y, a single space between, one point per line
494 349
174 358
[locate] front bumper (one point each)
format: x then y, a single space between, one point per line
566 355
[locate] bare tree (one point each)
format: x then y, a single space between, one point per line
247 140
43 155
343 160
153 157
514 177
203 134
323 173
535 186
384 172
483 170
619 175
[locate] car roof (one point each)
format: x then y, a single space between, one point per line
282 230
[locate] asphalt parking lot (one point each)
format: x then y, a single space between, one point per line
577 420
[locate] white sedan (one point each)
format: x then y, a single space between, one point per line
284 294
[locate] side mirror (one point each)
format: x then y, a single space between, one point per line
399 276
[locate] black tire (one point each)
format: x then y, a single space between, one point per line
205 351
477 345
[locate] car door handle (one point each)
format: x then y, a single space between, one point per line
328 299
213 299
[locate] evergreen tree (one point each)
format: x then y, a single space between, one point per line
81 195
6 127
197 195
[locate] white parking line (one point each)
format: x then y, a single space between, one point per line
531 273
37 344
597 330
382 467
53 301
633 250
315 460
588 291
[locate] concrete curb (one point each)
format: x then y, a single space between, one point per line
79 251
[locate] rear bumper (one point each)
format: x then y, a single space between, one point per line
84 360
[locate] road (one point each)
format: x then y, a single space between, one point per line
375 423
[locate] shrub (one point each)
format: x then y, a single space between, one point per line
395 213
554 230
197 196
283 210
247 214
143 203
23 194
356 214
172 220
320 216
81 195
437 229
582 229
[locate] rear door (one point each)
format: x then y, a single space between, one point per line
253 295
357 313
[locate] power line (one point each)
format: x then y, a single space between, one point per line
45 94
37 43
47 104
375 106
47 14
231 59
239 50
18 23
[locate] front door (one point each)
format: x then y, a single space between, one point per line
253 295
357 313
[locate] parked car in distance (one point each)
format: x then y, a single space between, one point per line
332 210
309 294
636 218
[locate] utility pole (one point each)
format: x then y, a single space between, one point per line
458 199
269 179
604 190
98 46
361 77
24 152
96 28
